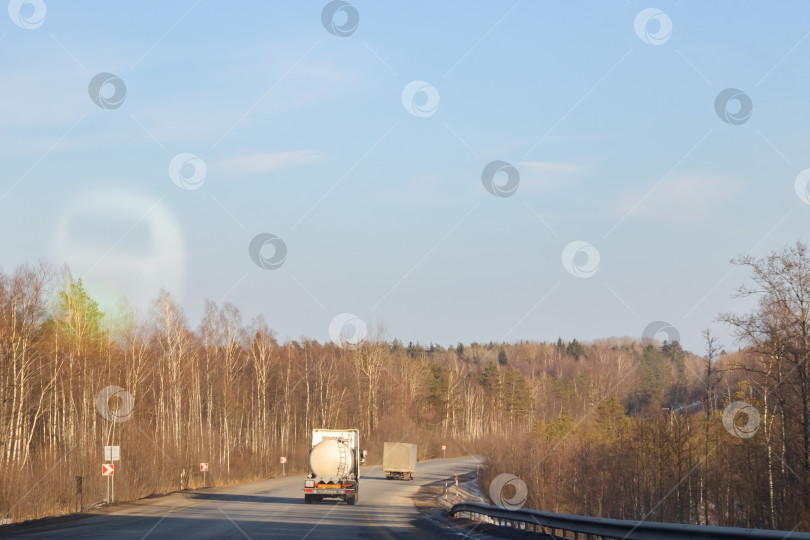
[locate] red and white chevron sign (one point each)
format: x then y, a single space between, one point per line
203 466
107 469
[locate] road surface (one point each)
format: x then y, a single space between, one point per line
267 509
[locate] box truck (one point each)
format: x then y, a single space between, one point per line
399 460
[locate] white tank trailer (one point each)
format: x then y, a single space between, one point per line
334 466
399 460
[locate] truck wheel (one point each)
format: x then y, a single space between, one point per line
350 501
307 499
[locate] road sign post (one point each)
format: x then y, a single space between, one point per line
204 469
444 453
283 461
108 470
111 454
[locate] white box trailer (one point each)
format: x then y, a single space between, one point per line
399 460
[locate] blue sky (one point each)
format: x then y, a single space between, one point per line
303 134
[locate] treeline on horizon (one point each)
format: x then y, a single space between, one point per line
615 428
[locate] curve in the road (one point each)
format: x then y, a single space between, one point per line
267 509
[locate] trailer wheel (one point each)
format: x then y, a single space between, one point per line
307 499
350 501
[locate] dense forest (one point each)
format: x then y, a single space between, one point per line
623 427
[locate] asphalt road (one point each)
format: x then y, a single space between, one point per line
267 509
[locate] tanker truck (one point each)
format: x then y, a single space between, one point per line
334 466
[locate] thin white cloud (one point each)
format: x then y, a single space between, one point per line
538 167
547 175
29 100
422 189
268 162
686 196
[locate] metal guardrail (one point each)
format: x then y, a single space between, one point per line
592 528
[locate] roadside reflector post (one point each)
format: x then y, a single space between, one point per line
457 499
79 493
445 489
